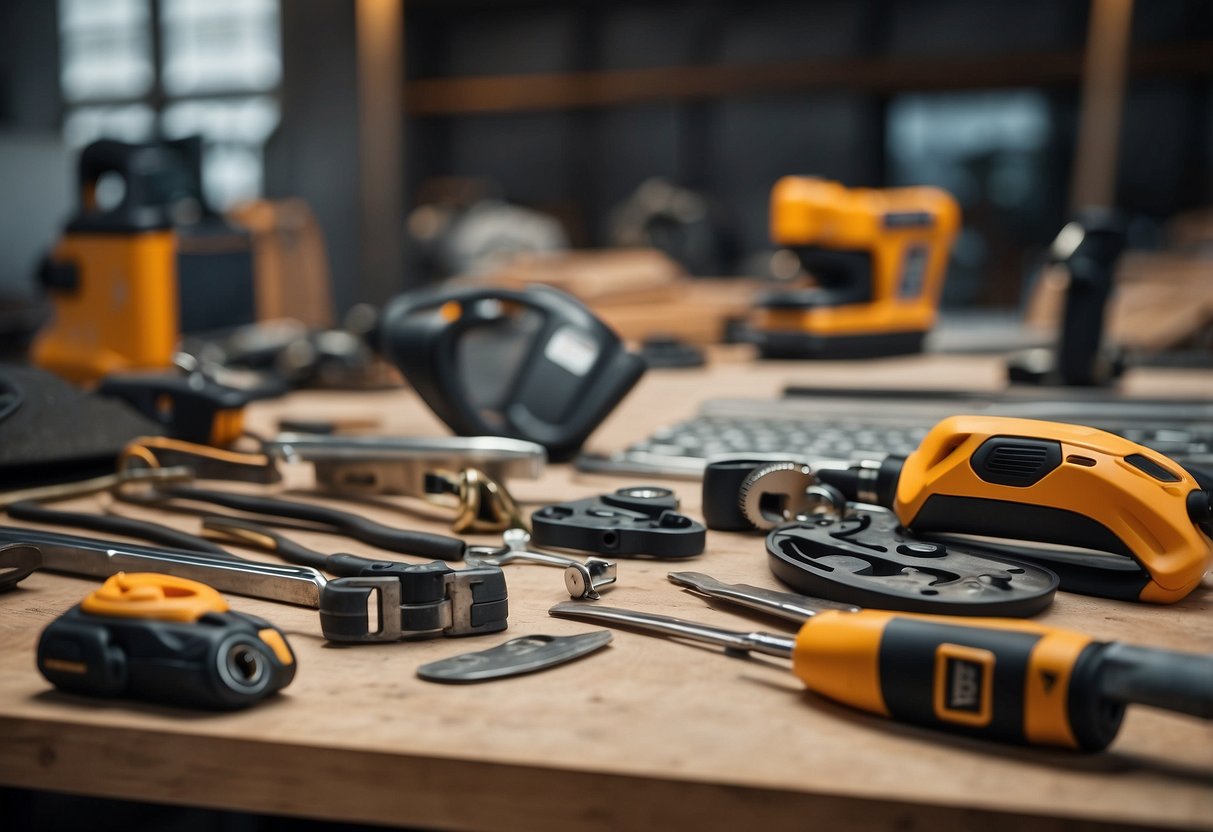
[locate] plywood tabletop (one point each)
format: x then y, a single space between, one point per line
645 733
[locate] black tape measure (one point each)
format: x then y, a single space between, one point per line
164 639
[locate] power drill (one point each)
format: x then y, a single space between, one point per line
1143 523
131 274
879 258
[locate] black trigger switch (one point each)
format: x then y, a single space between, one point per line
922 550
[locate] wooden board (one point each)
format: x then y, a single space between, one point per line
647 733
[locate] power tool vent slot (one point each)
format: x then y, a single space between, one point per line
1016 462
1017 459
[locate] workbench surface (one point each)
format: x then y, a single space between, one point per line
647 733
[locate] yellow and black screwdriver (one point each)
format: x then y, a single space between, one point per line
1013 681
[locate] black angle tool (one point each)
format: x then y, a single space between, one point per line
638 521
533 364
379 601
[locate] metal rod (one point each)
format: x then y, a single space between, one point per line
789 605
769 643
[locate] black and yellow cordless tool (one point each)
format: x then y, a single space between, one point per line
1012 681
878 257
164 639
132 273
1139 526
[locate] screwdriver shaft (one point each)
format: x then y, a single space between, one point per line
769 643
789 605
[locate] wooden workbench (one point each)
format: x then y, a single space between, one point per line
647 733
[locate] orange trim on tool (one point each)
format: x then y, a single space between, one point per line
227 426
123 313
278 644
144 448
153 596
1047 688
837 654
960 686
64 666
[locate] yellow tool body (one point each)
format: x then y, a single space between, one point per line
120 311
142 259
879 257
1138 526
1012 680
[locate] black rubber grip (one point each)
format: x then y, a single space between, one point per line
109 524
405 541
721 486
973 680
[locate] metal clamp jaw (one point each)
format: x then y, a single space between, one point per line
393 600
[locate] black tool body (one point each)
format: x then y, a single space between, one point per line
533 364
868 560
219 661
640 521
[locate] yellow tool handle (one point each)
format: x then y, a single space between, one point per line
1013 681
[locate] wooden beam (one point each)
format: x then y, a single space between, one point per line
584 90
380 48
1103 93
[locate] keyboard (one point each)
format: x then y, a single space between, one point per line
818 425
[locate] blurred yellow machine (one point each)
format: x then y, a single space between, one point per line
878 258
135 270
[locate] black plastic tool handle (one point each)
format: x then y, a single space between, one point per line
110 524
405 541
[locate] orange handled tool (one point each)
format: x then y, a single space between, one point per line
1054 483
1012 681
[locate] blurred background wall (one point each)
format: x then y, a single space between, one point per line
367 107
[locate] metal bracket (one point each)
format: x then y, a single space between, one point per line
399 465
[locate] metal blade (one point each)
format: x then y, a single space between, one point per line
789 605
517 656
645 622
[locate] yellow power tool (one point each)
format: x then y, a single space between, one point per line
878 258
142 260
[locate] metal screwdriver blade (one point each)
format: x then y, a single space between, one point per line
649 623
